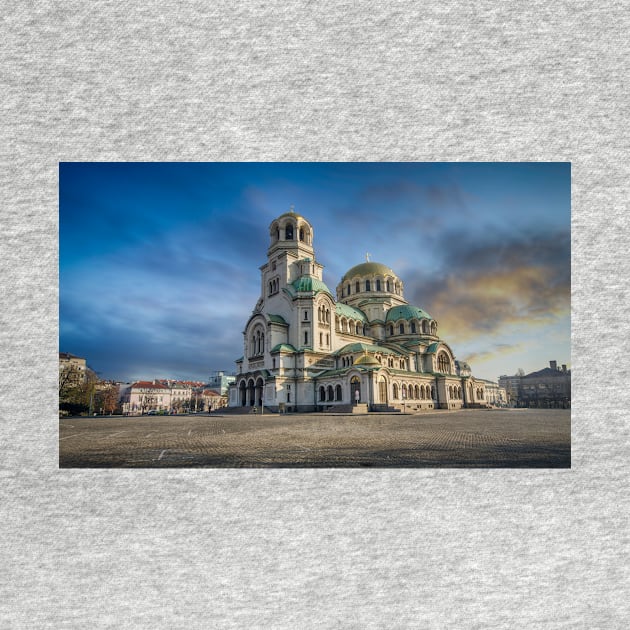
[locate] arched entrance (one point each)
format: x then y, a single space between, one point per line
250 393
382 390
259 392
355 388
243 393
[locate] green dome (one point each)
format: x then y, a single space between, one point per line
309 283
368 269
344 310
406 311
283 347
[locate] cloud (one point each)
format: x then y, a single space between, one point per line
128 343
431 196
496 351
482 286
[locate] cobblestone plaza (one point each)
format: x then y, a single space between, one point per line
466 438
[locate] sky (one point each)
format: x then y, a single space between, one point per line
159 262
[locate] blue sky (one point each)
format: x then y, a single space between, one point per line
159 261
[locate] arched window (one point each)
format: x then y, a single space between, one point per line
288 232
348 290
301 234
352 327
389 286
395 391
378 285
413 327
357 287
450 391
444 365
416 392
338 393
367 285
322 394
404 391
331 394
305 316
432 392
328 316
401 328
425 326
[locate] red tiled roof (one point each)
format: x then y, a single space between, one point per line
148 385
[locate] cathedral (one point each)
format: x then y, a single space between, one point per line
364 349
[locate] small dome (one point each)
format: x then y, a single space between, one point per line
406 311
366 360
368 269
309 283
292 214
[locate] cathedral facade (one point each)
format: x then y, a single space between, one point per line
363 348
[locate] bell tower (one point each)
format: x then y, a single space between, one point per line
291 232
290 254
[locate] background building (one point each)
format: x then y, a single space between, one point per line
512 387
212 400
73 370
81 391
144 396
547 388
220 382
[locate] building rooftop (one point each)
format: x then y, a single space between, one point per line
307 284
343 310
368 269
406 311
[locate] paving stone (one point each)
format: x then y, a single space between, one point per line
467 438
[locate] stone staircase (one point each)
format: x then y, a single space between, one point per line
360 408
385 409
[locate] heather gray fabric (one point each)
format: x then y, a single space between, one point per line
314 548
